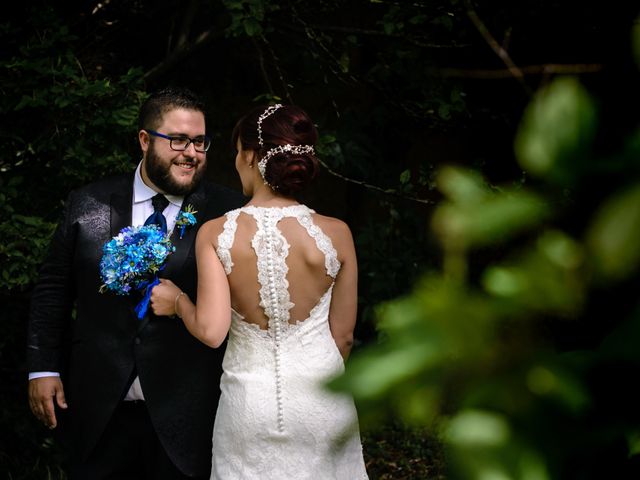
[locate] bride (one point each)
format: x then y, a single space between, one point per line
289 278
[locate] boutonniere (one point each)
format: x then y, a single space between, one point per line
132 260
186 218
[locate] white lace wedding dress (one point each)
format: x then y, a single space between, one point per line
275 420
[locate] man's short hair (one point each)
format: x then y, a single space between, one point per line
162 101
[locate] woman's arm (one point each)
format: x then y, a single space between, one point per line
344 300
210 319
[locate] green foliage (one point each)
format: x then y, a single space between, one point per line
68 126
396 89
614 233
468 355
25 239
557 132
248 16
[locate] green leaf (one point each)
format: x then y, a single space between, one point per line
492 219
476 427
444 111
614 236
252 27
557 131
461 186
31 221
546 278
344 62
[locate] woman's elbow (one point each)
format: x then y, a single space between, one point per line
211 335
345 342
212 340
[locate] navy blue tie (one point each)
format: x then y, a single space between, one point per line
159 202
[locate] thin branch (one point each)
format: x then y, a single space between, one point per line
276 64
547 69
179 54
263 69
379 33
497 48
187 21
386 191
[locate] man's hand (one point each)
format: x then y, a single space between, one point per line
41 394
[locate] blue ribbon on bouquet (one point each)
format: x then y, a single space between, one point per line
143 306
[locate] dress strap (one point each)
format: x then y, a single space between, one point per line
225 240
323 242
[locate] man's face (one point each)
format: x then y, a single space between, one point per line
174 172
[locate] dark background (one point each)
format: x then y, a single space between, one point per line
397 89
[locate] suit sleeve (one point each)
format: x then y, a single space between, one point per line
53 298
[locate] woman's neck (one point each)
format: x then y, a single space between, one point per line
266 197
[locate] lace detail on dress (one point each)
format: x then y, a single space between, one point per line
225 240
324 244
274 403
272 250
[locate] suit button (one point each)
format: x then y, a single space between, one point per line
138 341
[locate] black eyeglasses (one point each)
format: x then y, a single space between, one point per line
180 143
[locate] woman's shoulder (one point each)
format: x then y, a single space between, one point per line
336 229
211 229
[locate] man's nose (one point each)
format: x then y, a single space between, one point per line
190 151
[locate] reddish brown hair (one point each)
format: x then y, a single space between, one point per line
286 172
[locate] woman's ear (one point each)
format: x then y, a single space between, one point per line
250 158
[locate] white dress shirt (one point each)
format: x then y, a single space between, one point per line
141 208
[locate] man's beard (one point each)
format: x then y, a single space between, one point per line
160 175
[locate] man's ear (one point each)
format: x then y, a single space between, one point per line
144 139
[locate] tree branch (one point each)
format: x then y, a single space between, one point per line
179 54
187 21
378 33
497 48
546 69
386 191
263 69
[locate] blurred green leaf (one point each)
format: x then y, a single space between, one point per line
614 235
461 186
252 27
474 427
554 382
555 137
546 278
494 218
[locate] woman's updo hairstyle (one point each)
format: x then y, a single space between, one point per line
287 172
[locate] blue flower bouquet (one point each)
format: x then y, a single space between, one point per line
131 261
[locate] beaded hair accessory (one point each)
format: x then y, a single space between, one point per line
269 111
287 148
297 149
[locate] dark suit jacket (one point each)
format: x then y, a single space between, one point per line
102 348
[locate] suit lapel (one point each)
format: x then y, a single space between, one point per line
121 204
185 244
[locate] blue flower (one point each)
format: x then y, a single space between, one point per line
186 218
131 259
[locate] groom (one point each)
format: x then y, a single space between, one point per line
136 398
